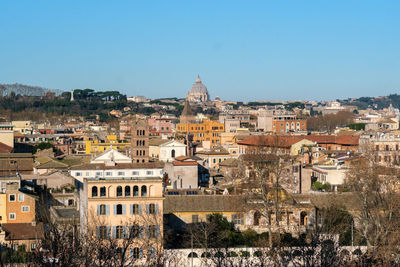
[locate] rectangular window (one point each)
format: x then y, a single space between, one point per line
103 232
11 197
108 173
25 209
237 219
20 197
33 246
149 172
119 233
152 231
78 174
195 218
103 209
121 173
12 216
87 173
135 173
98 174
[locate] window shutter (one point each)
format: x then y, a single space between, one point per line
115 209
125 232
98 209
140 208
114 231
132 253
158 231
147 209
108 209
148 234
140 253
123 209
131 208
156 208
141 232
130 232
108 232
98 232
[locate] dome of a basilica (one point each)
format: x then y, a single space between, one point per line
198 87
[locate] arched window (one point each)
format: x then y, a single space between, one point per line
136 253
137 153
206 255
103 191
94 191
303 218
119 191
143 143
135 191
137 132
127 191
144 152
144 191
119 209
257 217
173 153
137 142
70 202
192 255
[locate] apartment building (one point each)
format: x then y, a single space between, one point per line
99 146
280 122
206 130
384 146
122 200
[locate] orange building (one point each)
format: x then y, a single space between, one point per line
21 228
20 207
206 130
286 126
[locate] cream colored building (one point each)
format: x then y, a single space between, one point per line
123 201
22 126
7 134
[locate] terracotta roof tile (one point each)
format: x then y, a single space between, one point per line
184 163
23 231
287 141
5 148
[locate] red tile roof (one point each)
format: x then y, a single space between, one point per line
285 141
182 158
271 141
184 163
5 148
23 231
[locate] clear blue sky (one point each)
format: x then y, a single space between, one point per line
243 50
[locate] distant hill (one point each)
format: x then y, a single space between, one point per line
25 90
373 102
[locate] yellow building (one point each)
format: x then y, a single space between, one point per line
206 130
98 147
3 208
